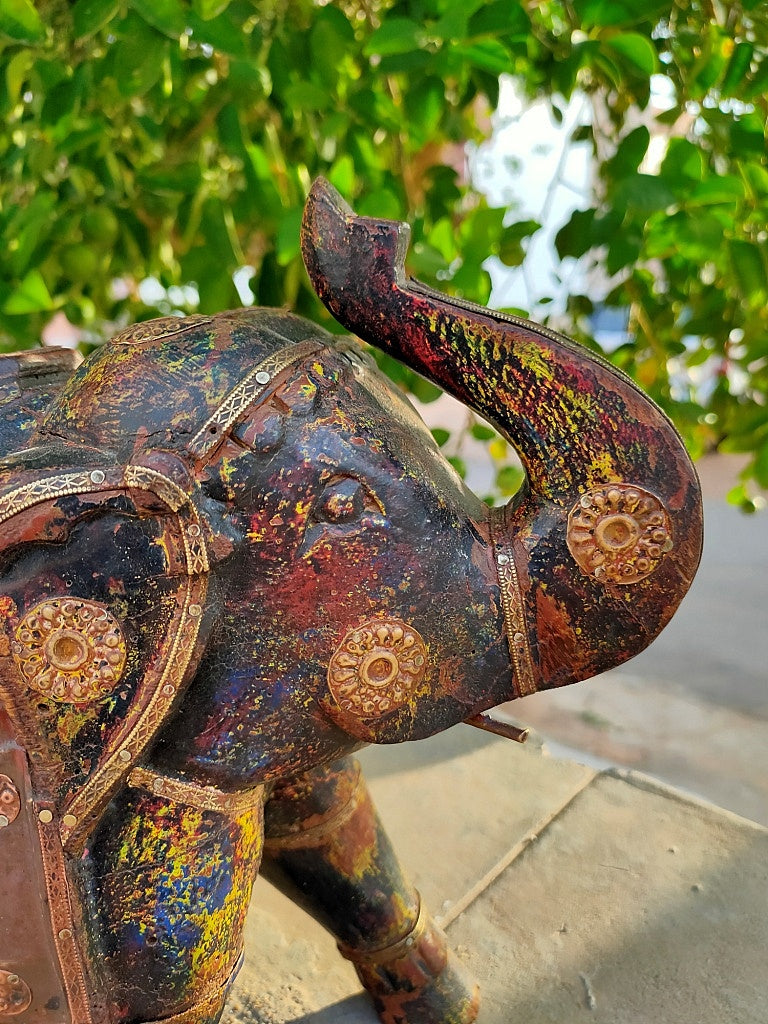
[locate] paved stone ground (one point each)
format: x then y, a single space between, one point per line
571 894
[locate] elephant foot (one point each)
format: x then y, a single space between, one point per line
417 980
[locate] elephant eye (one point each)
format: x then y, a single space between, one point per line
342 501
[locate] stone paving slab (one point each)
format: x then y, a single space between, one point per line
571 895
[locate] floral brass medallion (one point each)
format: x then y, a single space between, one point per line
377 667
618 533
70 650
15 995
10 801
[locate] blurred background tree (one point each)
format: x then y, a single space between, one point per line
155 155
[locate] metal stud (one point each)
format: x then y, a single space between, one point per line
98 476
262 377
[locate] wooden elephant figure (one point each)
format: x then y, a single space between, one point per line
231 555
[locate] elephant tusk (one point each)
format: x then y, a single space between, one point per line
488 723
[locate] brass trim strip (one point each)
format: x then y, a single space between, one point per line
205 798
56 486
315 835
205 1009
165 678
142 478
248 391
62 917
513 606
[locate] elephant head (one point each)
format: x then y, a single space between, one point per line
600 545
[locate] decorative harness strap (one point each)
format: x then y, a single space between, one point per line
513 604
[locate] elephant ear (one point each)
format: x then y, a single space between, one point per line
601 544
104 612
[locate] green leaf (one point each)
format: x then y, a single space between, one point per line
682 160
17 72
425 105
458 464
749 270
612 13
487 54
331 41
482 433
20 21
644 193
31 296
574 238
342 175
737 69
307 96
396 35
630 154
288 236
441 436
167 16
637 52
222 33
725 188
499 18
138 55
88 16
508 480
697 237
208 9
383 204
747 135
760 467
424 390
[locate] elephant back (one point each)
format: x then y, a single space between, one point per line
155 383
29 382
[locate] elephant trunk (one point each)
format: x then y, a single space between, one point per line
611 498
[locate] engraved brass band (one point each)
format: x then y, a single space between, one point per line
396 950
248 391
513 607
315 835
58 485
62 916
204 798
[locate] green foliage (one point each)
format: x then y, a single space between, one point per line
176 140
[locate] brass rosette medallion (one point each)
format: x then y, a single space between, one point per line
618 533
377 667
70 650
10 801
15 994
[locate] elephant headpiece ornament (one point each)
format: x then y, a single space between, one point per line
231 554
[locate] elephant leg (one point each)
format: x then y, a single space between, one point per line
326 848
167 887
